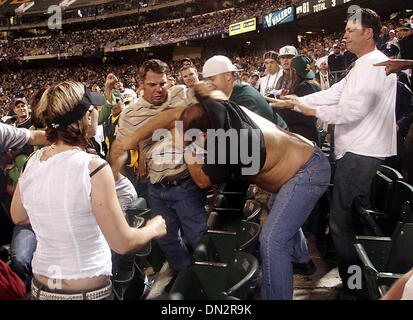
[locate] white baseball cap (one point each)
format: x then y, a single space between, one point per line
217 65
288 51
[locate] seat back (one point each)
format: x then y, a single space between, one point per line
242 276
401 254
188 286
381 192
233 200
225 219
247 237
132 214
139 203
390 173
401 202
206 250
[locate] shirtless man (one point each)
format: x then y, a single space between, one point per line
291 167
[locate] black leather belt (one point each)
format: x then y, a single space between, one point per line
172 183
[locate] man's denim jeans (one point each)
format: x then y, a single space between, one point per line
23 246
183 208
353 177
282 240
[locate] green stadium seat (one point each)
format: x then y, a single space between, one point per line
385 259
398 207
220 246
221 218
217 281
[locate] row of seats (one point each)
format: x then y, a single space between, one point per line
225 264
384 247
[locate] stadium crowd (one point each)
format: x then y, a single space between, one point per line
74 42
306 101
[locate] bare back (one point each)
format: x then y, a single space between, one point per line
286 153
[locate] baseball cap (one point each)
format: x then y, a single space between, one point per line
238 66
20 100
217 65
288 51
302 66
254 74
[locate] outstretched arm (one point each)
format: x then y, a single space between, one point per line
164 120
395 65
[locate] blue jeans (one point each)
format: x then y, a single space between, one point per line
182 207
282 240
353 178
23 246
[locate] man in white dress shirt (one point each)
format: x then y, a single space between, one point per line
362 107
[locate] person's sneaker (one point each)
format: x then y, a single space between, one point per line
306 268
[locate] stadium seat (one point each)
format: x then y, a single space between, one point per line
139 203
390 172
220 246
398 207
217 281
380 198
385 259
225 217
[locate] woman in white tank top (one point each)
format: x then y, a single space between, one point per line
69 198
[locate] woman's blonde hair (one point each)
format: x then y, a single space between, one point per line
55 102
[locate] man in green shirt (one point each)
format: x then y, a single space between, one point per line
221 74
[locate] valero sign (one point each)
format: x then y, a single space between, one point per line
279 17
243 26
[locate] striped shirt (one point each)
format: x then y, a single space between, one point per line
164 156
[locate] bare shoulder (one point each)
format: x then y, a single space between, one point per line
97 162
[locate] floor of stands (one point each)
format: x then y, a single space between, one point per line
322 285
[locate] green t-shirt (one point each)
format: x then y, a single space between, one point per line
245 95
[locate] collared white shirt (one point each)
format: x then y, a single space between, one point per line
362 107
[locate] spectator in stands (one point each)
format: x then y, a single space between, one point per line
82 270
95 88
324 78
285 55
383 38
253 79
406 41
172 193
336 62
392 38
186 62
302 84
301 171
171 81
273 72
222 75
362 109
189 75
21 109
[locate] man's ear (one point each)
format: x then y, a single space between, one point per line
228 76
369 33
